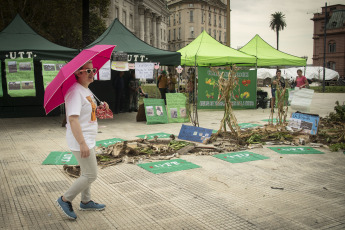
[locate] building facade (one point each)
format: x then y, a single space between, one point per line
188 18
335 38
147 19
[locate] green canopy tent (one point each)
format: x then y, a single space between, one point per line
138 50
268 56
206 51
20 41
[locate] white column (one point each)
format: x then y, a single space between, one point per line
154 30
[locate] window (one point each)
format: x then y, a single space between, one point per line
220 36
225 37
179 33
124 18
209 18
209 32
169 38
331 47
192 32
174 19
215 34
116 12
169 21
131 20
331 65
202 16
162 34
191 16
224 22
215 20
191 5
179 18
202 29
174 38
220 20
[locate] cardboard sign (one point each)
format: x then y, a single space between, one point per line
193 133
168 166
308 122
239 157
104 72
151 136
155 111
144 70
107 142
295 150
60 158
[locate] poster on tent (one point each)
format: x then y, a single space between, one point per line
20 78
1 92
155 111
144 70
104 72
176 108
50 69
244 93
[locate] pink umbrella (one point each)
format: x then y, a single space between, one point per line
56 90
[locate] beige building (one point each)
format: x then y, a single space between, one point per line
147 19
188 18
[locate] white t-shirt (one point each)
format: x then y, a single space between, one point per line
79 101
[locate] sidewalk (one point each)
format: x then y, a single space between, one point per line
289 191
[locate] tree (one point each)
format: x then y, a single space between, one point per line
277 23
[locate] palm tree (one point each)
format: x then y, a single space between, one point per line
277 23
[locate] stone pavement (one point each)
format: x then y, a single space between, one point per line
218 195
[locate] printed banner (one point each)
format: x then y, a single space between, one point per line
20 78
104 72
144 70
60 158
239 157
308 122
155 111
107 142
295 150
151 136
50 69
168 166
176 108
193 133
119 66
245 93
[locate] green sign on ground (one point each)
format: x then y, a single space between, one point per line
248 125
155 111
107 142
274 120
239 157
168 166
60 158
151 136
176 108
20 77
244 93
295 150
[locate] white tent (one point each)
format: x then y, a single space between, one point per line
312 73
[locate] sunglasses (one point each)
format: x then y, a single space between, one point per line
94 70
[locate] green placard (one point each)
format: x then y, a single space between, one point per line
1 92
239 157
274 120
60 158
107 142
248 125
176 108
151 136
245 93
295 150
20 77
155 111
168 166
50 69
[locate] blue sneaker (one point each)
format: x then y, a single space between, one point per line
67 208
91 206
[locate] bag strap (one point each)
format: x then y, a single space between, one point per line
96 98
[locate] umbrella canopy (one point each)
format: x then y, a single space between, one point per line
206 51
56 90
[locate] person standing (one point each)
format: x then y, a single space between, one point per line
301 81
133 93
277 82
171 84
81 134
163 84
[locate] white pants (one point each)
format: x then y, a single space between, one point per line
88 167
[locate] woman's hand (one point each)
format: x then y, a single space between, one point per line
84 150
78 135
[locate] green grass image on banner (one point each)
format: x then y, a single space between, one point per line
107 142
240 157
60 158
151 136
295 150
168 166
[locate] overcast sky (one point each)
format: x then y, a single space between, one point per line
251 17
